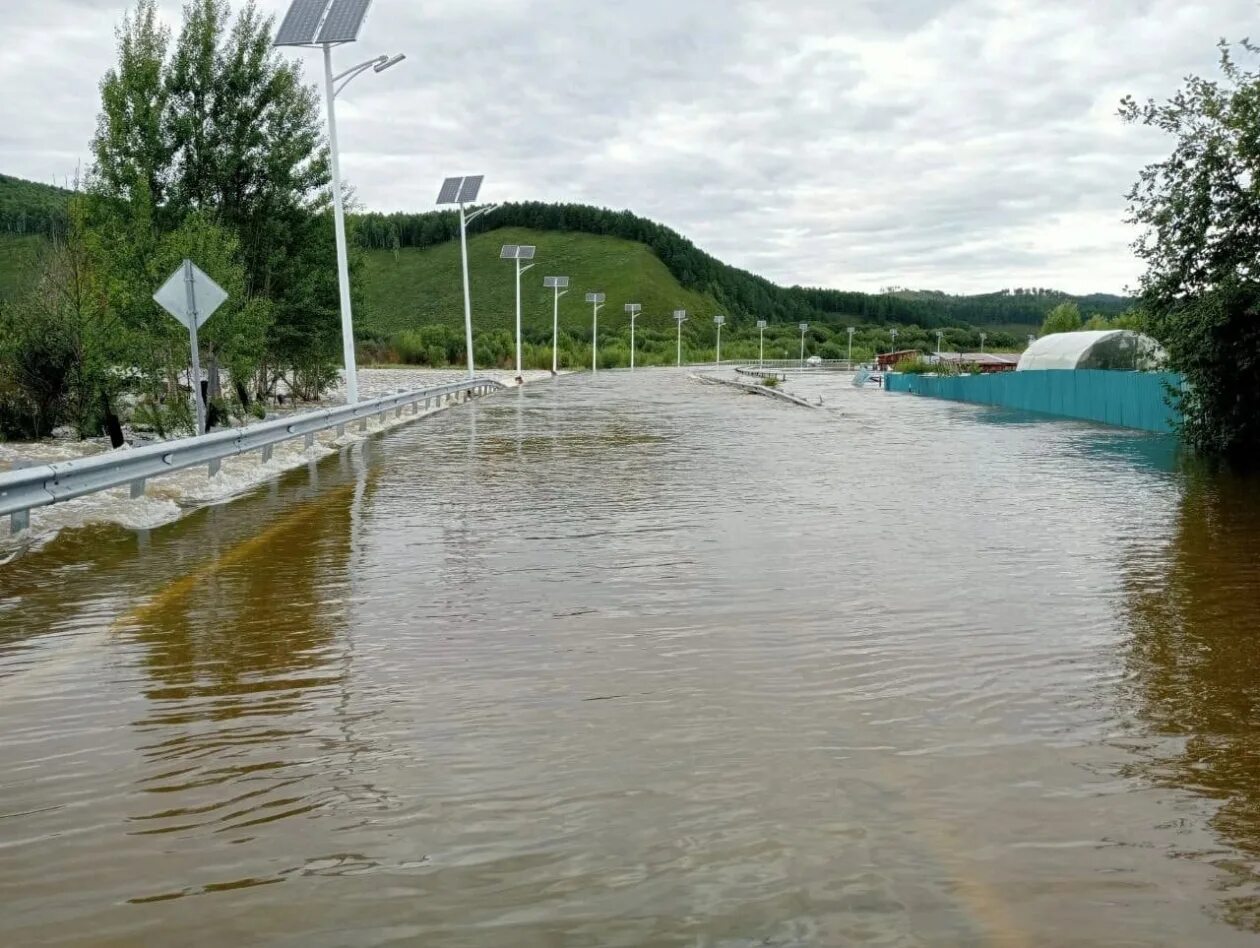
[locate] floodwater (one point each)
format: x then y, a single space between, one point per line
635 661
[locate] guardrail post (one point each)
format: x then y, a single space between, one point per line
398 414
310 440
137 489
341 431
215 466
266 453
427 403
21 520
363 425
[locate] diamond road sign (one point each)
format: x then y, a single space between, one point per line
208 296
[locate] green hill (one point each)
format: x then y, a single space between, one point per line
412 278
422 287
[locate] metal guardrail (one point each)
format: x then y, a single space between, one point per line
23 490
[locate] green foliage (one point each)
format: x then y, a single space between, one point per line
60 346
421 288
734 291
210 146
770 381
1200 291
27 208
1066 317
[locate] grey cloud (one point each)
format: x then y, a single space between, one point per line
957 144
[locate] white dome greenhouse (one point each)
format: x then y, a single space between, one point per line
1118 349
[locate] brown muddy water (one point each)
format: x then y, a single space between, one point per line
634 661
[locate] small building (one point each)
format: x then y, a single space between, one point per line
984 362
1115 349
887 360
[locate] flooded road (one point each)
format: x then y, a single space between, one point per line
636 661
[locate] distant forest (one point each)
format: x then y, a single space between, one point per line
28 208
741 292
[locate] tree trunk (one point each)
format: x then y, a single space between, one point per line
113 424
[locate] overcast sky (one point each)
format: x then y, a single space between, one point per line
963 145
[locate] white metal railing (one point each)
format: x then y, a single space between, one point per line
23 490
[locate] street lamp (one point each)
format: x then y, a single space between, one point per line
680 315
312 24
463 191
597 301
558 284
634 309
852 330
761 357
939 337
518 253
804 329
1032 337
893 333
719 321
983 337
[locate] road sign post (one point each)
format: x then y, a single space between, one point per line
192 298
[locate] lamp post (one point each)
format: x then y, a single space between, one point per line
852 330
597 303
518 253
761 350
680 316
719 321
307 25
464 191
939 337
983 337
561 286
804 329
633 309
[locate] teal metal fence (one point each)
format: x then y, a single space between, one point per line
1126 399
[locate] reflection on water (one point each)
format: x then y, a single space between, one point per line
632 661
1194 658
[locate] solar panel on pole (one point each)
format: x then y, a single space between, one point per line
556 283
596 298
680 314
301 23
761 324
471 188
633 308
508 252
344 21
450 191
526 252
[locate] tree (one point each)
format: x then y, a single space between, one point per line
214 143
1066 317
1201 290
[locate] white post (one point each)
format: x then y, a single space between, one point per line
802 348
196 348
468 337
594 338
851 347
761 358
555 335
339 218
719 346
518 317
680 322
632 316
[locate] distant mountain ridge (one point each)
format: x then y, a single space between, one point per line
29 209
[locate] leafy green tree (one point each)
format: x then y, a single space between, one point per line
1066 317
1201 212
212 142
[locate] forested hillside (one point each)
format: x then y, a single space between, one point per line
27 208
739 292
